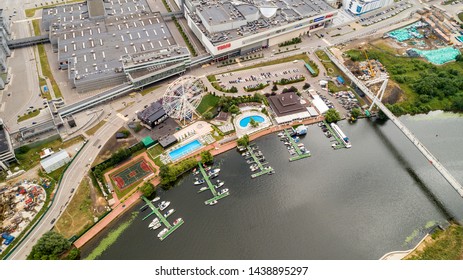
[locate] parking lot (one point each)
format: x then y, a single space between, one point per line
382 14
267 75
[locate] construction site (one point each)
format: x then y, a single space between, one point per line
19 204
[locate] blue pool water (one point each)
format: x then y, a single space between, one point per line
185 149
245 121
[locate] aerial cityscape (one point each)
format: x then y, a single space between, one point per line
242 130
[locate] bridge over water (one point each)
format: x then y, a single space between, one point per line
426 153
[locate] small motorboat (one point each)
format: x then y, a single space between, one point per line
199 182
223 191
203 189
162 232
163 205
177 221
156 226
213 202
219 184
155 199
168 213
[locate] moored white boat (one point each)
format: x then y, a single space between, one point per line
162 232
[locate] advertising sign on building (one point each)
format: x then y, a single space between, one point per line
224 46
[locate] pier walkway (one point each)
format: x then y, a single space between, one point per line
340 144
426 153
300 154
155 210
263 170
211 187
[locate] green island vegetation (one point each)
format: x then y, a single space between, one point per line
207 157
213 80
86 204
295 40
255 88
356 112
306 86
332 115
111 238
36 27
118 157
53 246
284 81
290 89
230 104
460 16
208 103
243 141
253 123
147 189
170 173
444 245
426 86
29 115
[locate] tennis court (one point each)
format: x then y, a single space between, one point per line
132 174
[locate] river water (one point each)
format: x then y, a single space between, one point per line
357 203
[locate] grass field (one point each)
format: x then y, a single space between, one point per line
154 153
147 90
32 157
95 128
444 245
28 115
86 204
331 69
301 56
46 71
208 102
36 26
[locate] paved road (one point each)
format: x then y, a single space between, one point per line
80 165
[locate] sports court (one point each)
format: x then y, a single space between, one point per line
131 174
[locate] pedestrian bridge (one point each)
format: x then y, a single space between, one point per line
431 158
29 41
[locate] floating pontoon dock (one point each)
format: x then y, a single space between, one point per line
211 186
161 218
300 154
263 170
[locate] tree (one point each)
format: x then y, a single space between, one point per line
51 246
147 189
264 111
356 112
332 116
274 88
208 115
234 109
207 157
243 141
306 86
23 149
253 123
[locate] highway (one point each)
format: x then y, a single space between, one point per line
81 164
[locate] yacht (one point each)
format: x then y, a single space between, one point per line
162 232
164 205
156 226
219 184
177 221
167 214
199 182
153 223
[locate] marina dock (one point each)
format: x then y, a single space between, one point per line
299 152
211 186
340 143
263 170
161 217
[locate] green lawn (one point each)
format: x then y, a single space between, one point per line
331 69
36 26
208 102
29 115
46 71
32 157
154 152
95 128
407 71
460 16
147 90
445 245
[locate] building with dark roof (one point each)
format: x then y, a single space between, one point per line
167 140
153 114
288 107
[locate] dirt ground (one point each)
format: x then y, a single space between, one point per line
113 145
86 204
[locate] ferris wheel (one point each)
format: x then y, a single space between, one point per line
182 97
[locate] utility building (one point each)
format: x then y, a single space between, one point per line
55 161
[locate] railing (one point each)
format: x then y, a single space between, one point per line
430 157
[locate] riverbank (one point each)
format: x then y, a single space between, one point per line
215 149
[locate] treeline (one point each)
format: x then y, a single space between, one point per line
117 157
293 41
227 102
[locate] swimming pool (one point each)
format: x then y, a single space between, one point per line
245 121
185 149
